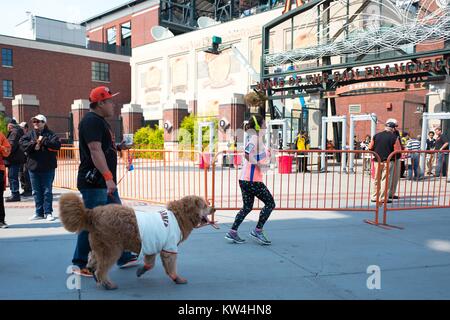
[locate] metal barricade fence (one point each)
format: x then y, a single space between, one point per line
157 176
160 176
298 180
67 170
408 186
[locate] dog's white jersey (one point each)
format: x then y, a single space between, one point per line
159 231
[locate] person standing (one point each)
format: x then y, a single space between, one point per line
257 156
41 146
366 156
5 150
24 175
430 145
302 144
232 148
413 167
442 158
397 162
384 143
97 172
15 160
404 141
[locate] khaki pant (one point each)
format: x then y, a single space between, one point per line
430 163
395 177
383 176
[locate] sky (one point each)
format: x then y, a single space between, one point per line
13 12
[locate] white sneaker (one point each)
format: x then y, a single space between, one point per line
50 217
36 217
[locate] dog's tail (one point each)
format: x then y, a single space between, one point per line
74 216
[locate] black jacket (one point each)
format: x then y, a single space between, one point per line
16 156
43 159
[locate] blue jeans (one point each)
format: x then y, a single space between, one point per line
441 164
13 177
414 166
41 183
93 198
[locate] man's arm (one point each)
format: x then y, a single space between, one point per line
5 147
14 141
52 143
99 160
371 146
27 144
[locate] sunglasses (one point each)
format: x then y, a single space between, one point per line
37 121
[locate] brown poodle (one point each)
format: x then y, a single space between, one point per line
114 228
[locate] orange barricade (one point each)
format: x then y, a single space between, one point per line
156 176
298 180
66 172
160 176
410 186
308 185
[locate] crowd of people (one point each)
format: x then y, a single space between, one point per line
410 162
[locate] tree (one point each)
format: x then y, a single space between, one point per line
148 138
3 124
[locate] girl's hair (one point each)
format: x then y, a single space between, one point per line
251 123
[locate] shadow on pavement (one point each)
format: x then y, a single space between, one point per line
35 225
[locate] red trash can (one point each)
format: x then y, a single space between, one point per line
237 160
285 164
205 161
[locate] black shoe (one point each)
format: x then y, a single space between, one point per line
12 199
394 197
130 263
26 194
382 201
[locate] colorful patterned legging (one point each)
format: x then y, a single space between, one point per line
250 190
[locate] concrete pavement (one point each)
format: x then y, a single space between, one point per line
315 255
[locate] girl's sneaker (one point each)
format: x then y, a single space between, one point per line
260 237
234 237
3 225
36 217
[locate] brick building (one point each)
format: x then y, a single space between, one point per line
48 77
124 27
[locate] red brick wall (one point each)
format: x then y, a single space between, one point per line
141 26
57 79
377 103
99 35
140 29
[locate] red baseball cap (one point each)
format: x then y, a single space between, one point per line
100 94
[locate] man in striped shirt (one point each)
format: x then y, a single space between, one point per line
413 145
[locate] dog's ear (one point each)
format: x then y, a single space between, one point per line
200 202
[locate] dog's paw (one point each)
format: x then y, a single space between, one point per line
109 286
140 271
180 280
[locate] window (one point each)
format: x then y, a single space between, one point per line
7 57
7 89
354 108
100 71
126 34
111 36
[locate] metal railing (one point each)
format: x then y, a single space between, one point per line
298 183
418 189
296 179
